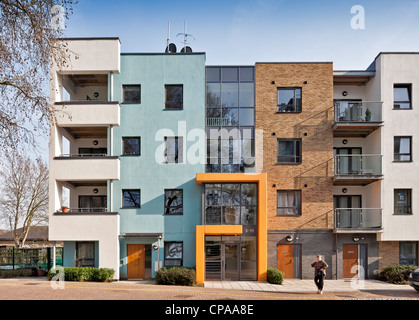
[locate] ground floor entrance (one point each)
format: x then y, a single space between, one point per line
138 261
230 258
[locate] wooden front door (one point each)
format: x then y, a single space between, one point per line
285 256
135 261
350 260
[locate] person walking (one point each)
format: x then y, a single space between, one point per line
319 273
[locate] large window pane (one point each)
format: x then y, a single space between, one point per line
173 254
289 100
231 194
229 74
213 94
85 254
231 215
247 74
230 116
213 74
173 149
230 94
212 215
247 94
247 117
249 194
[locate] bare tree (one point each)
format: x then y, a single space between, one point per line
29 32
24 194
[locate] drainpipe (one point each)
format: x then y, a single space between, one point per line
337 254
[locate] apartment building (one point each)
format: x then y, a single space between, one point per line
164 161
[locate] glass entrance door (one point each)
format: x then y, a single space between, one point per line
231 261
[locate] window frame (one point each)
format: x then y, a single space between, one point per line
298 159
123 94
298 213
408 86
415 243
131 207
167 243
168 207
407 206
131 154
78 245
296 108
167 103
178 149
402 154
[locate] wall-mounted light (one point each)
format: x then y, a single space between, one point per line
344 141
305 134
356 238
305 185
273 82
95 190
289 238
155 246
95 142
274 185
344 93
273 133
344 190
305 82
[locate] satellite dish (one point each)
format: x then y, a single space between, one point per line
171 48
186 49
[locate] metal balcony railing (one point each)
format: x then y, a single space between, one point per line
357 111
357 164
87 210
358 218
215 122
83 155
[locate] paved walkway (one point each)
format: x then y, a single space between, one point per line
294 285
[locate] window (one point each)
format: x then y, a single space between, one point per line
131 198
402 201
231 203
289 151
173 254
402 96
408 253
402 149
173 149
131 94
288 203
131 146
92 203
85 254
289 100
173 201
174 97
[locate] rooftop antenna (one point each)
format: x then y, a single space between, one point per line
170 47
185 38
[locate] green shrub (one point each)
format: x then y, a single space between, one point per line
275 276
178 276
396 274
84 274
15 273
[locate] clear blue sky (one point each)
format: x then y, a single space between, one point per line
245 31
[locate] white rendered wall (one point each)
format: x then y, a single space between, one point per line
399 68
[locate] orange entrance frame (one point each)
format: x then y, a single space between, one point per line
203 230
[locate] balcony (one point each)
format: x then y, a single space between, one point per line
86 168
87 113
357 220
361 169
356 118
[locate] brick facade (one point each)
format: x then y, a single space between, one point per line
314 176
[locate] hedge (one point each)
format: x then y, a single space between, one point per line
15 273
396 274
84 274
275 276
177 276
